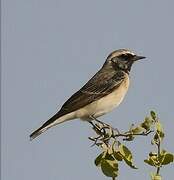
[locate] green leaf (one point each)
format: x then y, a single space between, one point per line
160 130
155 139
149 162
99 159
109 156
147 124
153 115
109 167
127 156
152 160
118 156
168 158
159 126
137 130
125 152
103 155
108 164
159 135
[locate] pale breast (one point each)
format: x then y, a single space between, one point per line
109 102
106 103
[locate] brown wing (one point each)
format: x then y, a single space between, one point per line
98 86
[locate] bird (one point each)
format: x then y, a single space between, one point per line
100 95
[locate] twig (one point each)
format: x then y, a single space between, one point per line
133 134
159 151
106 132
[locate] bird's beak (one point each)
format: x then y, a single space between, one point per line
136 58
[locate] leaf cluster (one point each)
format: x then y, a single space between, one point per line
114 150
109 158
156 160
160 157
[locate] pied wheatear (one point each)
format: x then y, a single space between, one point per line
103 92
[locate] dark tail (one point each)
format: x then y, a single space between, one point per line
48 124
37 133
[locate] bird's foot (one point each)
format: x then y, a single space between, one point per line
103 130
102 125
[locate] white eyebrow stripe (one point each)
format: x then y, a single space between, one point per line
116 53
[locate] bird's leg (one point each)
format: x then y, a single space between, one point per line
100 122
101 128
95 127
98 131
105 126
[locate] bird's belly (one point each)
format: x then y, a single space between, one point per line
106 103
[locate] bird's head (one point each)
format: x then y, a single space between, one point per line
122 59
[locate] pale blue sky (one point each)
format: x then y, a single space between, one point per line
50 48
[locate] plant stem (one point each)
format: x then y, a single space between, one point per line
159 151
133 134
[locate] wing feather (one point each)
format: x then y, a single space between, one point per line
100 85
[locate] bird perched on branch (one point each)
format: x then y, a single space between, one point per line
100 95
